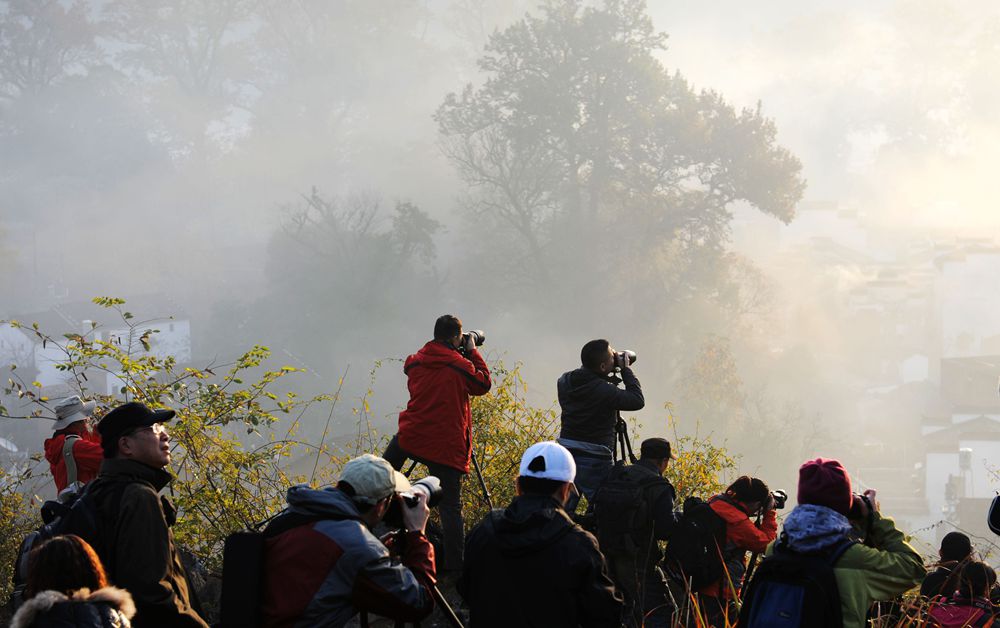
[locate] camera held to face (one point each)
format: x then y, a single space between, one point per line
780 497
478 337
429 486
624 358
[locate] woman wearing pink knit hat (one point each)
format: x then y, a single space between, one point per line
826 523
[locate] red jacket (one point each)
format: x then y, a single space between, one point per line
87 452
436 425
742 536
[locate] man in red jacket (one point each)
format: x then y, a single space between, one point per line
436 426
74 452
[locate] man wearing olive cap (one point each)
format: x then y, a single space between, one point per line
322 563
136 544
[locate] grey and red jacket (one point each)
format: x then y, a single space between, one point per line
323 572
436 425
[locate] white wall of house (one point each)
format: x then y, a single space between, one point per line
173 338
939 467
985 456
968 290
15 348
980 480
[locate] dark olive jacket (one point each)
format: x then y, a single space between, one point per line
137 544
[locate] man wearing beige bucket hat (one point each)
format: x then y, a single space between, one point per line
74 451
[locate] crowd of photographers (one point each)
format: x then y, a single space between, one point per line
535 562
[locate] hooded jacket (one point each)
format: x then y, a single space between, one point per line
323 572
136 544
436 425
105 608
590 405
531 566
87 453
742 536
865 574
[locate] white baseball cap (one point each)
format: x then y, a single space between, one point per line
373 478
548 460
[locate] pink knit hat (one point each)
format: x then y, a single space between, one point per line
825 482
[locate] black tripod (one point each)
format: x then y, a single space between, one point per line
479 475
624 445
399 545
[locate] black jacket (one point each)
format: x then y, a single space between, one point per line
935 580
590 404
137 544
531 566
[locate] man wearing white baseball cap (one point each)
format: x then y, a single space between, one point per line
530 565
322 563
74 451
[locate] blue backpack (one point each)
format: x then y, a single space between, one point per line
794 590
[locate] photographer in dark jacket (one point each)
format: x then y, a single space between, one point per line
634 508
591 400
530 565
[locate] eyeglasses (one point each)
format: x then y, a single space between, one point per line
156 428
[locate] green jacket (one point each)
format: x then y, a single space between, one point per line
870 574
137 547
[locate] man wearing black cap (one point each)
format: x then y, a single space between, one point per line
135 542
634 508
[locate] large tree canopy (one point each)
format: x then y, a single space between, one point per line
588 155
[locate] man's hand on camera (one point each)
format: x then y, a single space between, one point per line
769 504
470 343
415 517
870 494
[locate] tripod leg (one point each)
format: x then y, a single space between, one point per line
482 482
413 465
449 612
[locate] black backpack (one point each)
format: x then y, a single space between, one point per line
79 515
791 589
694 553
622 509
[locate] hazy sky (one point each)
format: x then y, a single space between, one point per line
888 104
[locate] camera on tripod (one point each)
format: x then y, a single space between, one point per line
624 358
429 486
478 337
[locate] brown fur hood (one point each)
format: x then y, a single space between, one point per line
45 600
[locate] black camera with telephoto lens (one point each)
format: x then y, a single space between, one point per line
624 358
780 497
429 486
478 338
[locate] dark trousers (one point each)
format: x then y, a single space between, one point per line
450 507
647 602
718 612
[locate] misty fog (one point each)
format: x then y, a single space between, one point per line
785 209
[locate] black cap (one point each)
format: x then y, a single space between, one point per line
657 448
126 418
